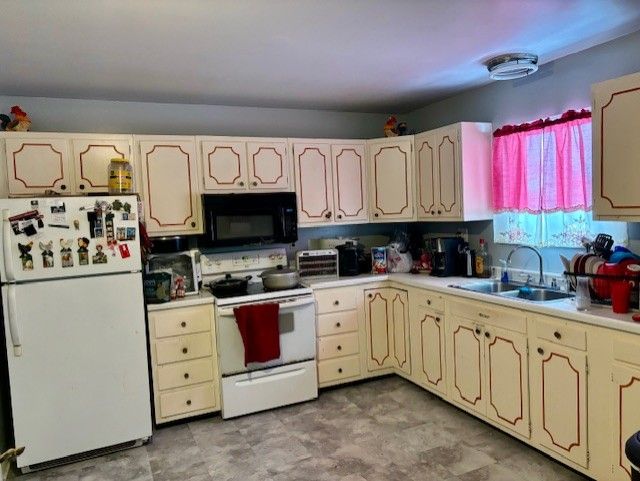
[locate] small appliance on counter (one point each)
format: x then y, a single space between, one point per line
446 256
317 264
350 258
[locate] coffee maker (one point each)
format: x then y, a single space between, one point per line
446 255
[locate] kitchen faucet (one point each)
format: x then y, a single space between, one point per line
516 248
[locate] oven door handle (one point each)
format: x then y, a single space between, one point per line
283 305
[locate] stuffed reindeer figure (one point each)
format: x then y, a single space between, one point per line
5 461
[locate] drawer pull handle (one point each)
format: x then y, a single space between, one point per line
340 370
487 335
483 315
428 302
338 324
186 375
188 402
185 350
540 351
339 347
183 324
557 335
477 330
336 303
437 319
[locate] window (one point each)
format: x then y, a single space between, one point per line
542 184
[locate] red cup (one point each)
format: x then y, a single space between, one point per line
620 296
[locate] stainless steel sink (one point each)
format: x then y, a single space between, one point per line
490 287
537 294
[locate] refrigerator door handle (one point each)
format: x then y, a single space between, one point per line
14 329
6 247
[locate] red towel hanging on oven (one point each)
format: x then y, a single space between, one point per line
258 325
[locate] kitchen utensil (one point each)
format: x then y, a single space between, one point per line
602 245
229 285
583 297
620 296
280 278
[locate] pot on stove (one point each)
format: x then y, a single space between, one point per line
280 278
229 285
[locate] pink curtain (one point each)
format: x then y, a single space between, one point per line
544 166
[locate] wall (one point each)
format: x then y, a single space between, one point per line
556 87
76 115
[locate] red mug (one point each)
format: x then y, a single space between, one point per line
620 296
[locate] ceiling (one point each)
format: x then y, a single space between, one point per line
353 55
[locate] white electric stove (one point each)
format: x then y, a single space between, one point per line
291 378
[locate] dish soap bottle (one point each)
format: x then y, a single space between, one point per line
483 261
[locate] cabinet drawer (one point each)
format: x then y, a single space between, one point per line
430 300
187 400
626 350
186 373
336 369
337 346
183 348
561 332
334 300
507 318
186 320
337 323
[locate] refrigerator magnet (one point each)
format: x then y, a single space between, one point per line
124 250
25 256
111 245
47 254
76 224
83 251
130 233
66 255
100 257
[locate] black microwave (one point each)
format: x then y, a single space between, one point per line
241 219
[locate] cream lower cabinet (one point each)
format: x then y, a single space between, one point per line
183 362
558 380
170 189
387 329
428 341
487 363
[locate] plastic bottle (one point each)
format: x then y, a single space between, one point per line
483 261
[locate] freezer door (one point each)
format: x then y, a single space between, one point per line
80 381
60 237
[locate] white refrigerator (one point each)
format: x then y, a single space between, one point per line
75 328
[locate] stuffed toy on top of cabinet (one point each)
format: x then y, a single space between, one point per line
20 123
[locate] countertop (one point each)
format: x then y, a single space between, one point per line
203 297
596 315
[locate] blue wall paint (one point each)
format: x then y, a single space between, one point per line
555 88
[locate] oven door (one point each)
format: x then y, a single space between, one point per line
297 337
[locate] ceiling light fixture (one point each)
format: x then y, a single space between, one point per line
512 65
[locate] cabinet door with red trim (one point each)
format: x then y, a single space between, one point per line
447 158
558 382
431 362
400 343
427 176
314 192
466 369
378 326
224 165
350 197
172 200
507 379
36 164
391 179
625 415
91 159
269 167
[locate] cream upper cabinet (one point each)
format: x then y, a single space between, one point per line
224 164
91 157
37 163
350 199
391 179
558 380
466 363
507 377
616 148
387 329
314 191
453 163
427 330
171 196
269 166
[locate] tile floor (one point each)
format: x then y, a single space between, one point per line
382 430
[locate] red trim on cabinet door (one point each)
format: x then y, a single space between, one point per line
455 175
520 416
15 167
422 341
455 367
339 206
620 440
427 210
253 159
380 363
602 150
219 182
544 423
406 179
122 156
326 187
149 185
404 331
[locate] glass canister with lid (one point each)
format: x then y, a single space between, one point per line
120 176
